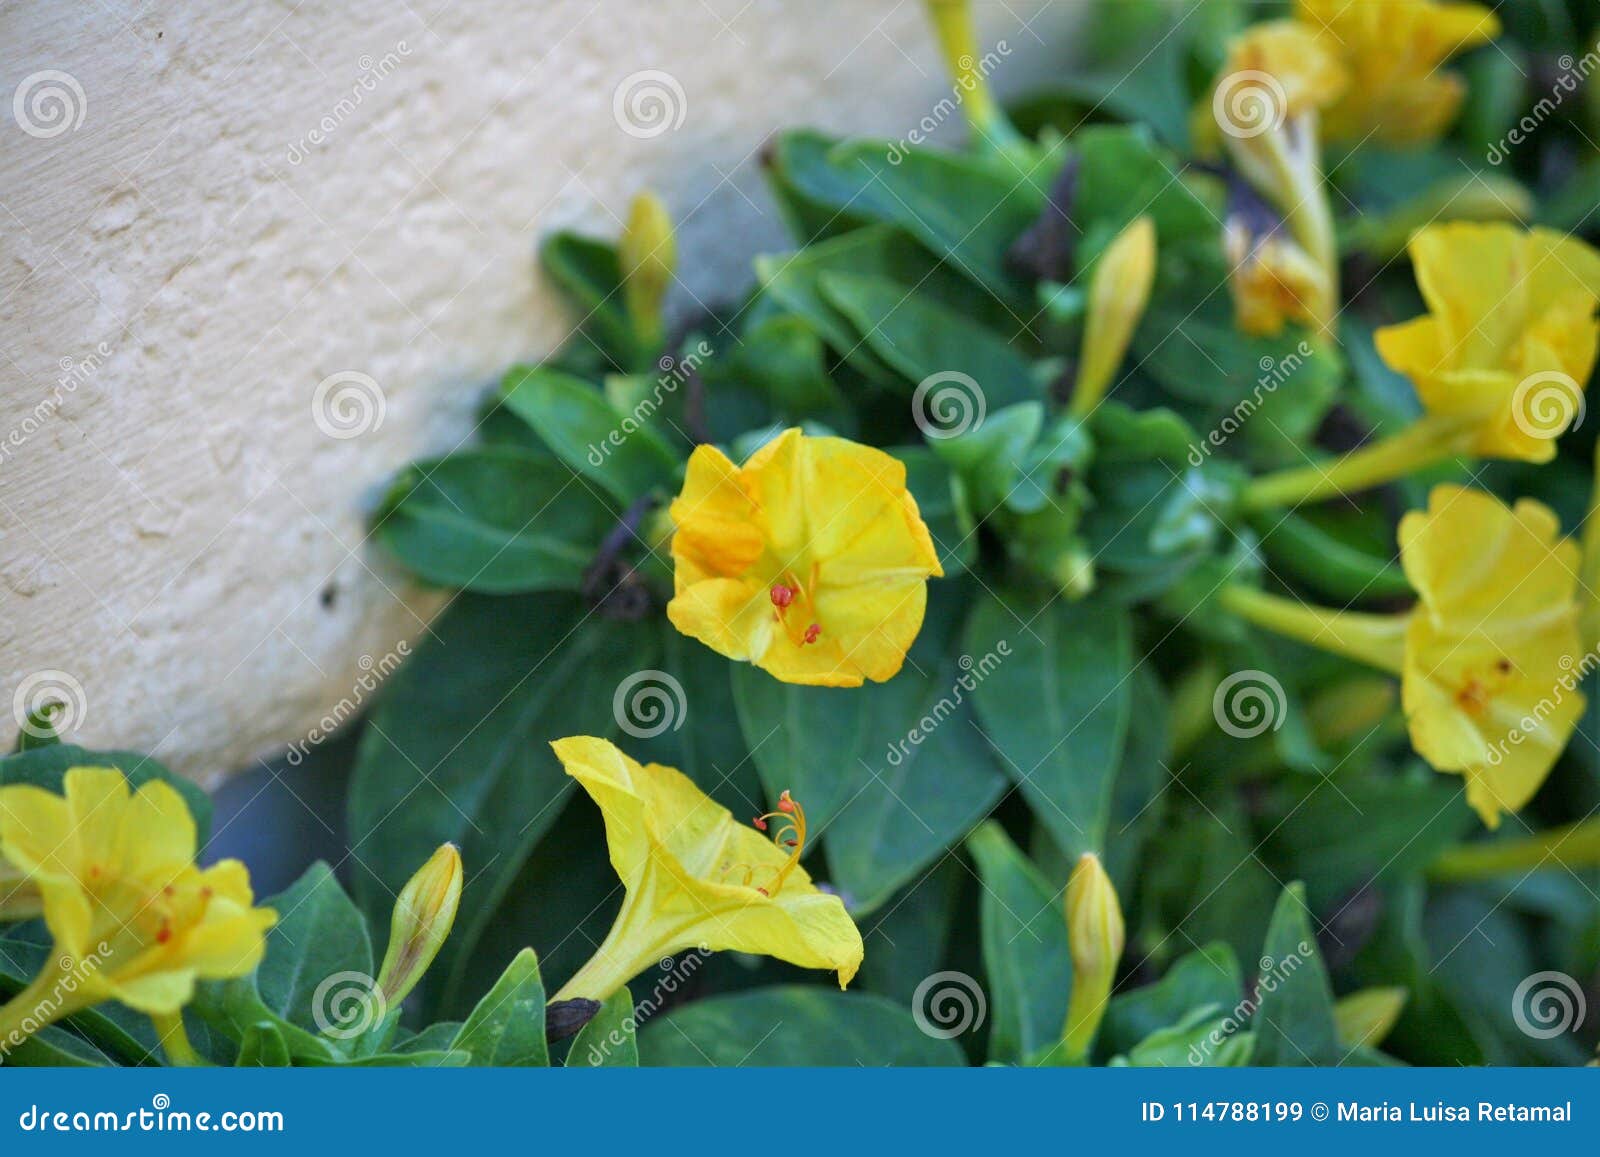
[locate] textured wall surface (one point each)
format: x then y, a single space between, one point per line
209 209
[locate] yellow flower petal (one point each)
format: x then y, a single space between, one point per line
695 878
1394 50
810 560
1491 668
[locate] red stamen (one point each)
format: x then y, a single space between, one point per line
760 822
785 804
164 934
782 595
812 632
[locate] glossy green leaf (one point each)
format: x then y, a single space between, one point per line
507 1026
609 1039
1293 1022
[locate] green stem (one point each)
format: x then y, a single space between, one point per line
1377 640
1426 442
1572 847
37 1003
175 1040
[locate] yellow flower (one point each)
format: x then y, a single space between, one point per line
424 913
133 919
810 561
696 879
1393 50
1509 338
1308 76
1489 659
1273 281
1119 291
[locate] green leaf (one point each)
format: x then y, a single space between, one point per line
588 271
907 938
1208 977
1025 951
507 1027
47 767
1057 708
1294 1022
790 1026
499 521
318 971
1123 174
458 749
55 1047
621 453
608 1040
263 1046
39 727
919 339
1200 1039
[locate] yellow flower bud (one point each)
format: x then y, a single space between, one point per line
1096 936
423 915
1365 1017
1119 291
647 255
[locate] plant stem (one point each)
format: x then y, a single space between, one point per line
1427 441
1377 640
1572 847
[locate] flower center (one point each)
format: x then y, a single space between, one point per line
790 835
783 595
1475 693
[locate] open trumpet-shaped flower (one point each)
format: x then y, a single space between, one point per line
810 561
1490 658
1499 361
1393 50
1509 338
697 879
133 919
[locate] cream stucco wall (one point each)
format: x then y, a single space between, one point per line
207 209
